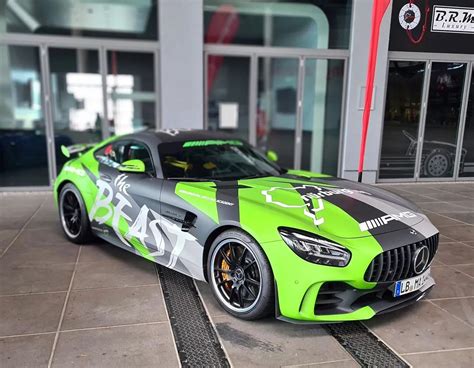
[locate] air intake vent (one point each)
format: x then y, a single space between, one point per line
397 264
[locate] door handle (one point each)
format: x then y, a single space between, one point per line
105 178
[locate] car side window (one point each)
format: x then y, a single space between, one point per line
111 154
138 151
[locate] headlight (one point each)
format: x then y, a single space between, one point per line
316 249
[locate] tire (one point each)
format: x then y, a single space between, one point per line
71 206
240 276
437 164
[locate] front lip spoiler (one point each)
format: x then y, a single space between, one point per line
379 307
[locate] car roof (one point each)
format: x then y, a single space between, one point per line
176 135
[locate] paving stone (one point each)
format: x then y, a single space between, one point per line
115 272
468 269
450 283
458 359
272 343
46 235
28 314
6 237
31 253
26 351
130 346
459 232
118 306
349 363
441 220
466 217
34 277
455 253
421 327
462 308
442 207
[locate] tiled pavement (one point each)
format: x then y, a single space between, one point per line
95 305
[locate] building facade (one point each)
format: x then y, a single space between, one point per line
287 76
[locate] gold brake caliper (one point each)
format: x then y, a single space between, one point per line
225 266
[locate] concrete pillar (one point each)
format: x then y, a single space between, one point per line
359 46
181 63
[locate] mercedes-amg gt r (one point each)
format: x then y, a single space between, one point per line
305 246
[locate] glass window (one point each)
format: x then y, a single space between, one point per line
23 152
442 120
138 151
214 160
276 107
116 153
131 19
76 96
130 91
228 94
402 119
316 24
467 154
322 102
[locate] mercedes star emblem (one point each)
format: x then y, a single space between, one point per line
420 259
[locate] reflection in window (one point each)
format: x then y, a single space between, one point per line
467 154
76 89
132 19
228 94
130 92
317 24
401 120
23 152
276 107
322 102
442 120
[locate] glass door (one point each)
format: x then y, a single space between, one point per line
277 107
76 98
23 143
466 159
323 92
402 119
228 94
131 96
437 154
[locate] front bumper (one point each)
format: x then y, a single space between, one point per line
306 292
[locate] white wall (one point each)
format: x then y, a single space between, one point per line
181 63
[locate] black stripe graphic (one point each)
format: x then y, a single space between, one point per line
227 192
363 212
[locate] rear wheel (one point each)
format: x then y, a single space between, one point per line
73 215
240 276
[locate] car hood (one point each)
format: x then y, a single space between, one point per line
327 205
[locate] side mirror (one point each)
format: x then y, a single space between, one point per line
272 155
132 166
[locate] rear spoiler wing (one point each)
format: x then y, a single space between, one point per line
76 149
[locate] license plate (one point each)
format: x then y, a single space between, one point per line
407 286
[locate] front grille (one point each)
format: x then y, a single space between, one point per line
397 264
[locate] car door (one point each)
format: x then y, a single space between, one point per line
126 210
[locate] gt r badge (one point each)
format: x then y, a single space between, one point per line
413 232
420 259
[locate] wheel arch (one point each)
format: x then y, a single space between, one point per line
210 239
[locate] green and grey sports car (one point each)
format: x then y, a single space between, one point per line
305 246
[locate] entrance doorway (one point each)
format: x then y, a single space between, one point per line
425 121
286 101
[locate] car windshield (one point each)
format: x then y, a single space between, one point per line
214 160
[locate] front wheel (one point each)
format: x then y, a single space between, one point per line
240 276
73 215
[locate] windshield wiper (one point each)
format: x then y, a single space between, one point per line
191 179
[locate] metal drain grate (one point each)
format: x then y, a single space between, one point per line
196 340
364 346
